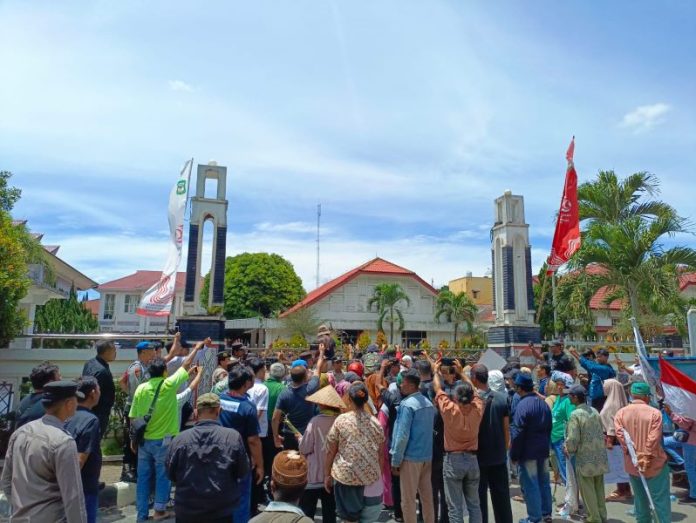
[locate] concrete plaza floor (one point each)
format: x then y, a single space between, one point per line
617 511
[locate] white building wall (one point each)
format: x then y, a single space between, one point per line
126 322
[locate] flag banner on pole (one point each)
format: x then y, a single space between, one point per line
634 459
566 238
158 299
679 390
645 368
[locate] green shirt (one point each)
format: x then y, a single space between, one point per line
560 416
165 416
275 387
585 441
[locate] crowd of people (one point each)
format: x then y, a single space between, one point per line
423 436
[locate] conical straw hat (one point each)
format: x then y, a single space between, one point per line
328 397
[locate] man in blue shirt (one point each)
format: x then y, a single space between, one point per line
598 370
530 438
239 413
412 448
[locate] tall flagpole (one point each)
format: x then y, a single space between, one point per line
553 302
318 228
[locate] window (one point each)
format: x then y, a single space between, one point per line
131 303
476 294
109 301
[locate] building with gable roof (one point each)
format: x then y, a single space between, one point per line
342 304
120 298
54 279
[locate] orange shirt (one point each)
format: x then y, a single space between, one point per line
461 422
644 424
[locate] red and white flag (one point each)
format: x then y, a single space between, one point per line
679 390
158 299
566 239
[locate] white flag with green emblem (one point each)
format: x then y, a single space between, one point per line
158 299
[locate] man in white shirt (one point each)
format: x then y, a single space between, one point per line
258 394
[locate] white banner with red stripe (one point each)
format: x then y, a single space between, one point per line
158 299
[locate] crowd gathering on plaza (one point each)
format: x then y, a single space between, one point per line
420 435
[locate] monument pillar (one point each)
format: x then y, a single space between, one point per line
513 293
195 324
206 209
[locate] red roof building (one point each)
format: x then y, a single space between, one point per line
342 304
140 281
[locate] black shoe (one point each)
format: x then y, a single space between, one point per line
687 500
102 485
129 476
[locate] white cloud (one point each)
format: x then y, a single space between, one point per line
290 227
645 117
179 85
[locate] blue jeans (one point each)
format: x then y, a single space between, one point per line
242 513
151 458
689 451
460 471
535 483
672 448
91 504
560 459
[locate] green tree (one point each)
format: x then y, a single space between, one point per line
302 322
257 284
69 316
457 309
545 309
18 250
386 298
624 235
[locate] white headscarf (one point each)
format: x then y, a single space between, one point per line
496 381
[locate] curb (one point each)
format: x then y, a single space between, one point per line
117 495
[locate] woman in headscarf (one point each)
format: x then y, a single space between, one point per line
616 399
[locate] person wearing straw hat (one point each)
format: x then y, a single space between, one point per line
649 477
313 447
288 481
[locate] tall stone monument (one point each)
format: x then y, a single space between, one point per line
513 293
195 324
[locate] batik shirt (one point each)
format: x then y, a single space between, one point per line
359 437
585 440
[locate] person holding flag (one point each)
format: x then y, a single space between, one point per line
639 431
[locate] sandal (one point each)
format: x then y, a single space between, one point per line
617 496
163 516
518 498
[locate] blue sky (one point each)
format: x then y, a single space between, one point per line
404 119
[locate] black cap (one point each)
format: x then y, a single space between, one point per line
576 390
60 390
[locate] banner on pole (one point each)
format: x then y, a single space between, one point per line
566 238
158 299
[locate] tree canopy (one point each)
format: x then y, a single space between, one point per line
386 298
258 284
18 250
456 309
60 316
625 232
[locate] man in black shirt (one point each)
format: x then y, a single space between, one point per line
99 368
493 443
31 408
557 358
206 463
84 428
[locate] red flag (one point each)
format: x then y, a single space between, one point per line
679 390
566 239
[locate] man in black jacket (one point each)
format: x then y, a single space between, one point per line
205 463
31 408
99 368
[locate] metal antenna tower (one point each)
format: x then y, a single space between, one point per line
318 229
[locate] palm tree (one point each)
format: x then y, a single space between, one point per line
303 322
623 237
386 298
457 309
